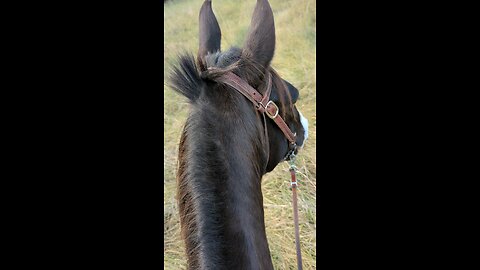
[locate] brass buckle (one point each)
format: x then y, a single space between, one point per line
268 113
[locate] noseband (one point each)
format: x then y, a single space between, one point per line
263 104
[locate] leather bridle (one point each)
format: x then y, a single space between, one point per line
262 103
266 106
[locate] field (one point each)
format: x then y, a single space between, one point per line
294 60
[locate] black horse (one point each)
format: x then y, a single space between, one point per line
227 145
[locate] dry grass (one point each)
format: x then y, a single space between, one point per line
295 61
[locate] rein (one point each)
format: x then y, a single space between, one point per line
266 106
293 184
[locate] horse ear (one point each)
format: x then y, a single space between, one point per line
209 34
260 43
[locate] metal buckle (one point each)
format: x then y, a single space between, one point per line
276 112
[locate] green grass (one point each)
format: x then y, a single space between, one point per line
294 59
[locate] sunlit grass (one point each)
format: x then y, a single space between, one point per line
294 59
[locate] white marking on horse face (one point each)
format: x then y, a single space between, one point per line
304 122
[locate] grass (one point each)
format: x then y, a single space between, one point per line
294 59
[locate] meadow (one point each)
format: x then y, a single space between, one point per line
295 61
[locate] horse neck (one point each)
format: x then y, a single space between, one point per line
220 197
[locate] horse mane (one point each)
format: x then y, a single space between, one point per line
185 79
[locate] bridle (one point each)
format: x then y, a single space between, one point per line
262 103
266 106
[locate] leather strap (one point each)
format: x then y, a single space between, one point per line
241 86
260 101
295 218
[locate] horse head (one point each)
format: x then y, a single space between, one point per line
251 62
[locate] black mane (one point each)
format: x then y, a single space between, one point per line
185 78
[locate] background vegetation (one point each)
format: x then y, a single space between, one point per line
294 59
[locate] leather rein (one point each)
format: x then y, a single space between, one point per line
266 106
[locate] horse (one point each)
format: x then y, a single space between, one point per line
227 144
